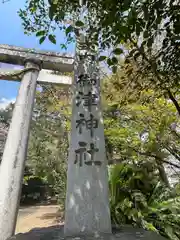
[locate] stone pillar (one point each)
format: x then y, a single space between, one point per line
13 161
87 200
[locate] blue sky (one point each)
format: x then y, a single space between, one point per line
11 32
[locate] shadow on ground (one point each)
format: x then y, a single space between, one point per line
59 216
56 233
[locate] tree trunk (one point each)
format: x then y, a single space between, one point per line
176 104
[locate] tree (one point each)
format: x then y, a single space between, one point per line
140 127
48 143
138 124
5 118
149 205
147 31
47 153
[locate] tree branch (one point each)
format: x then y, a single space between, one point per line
156 157
176 104
175 154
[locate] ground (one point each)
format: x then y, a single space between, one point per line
47 224
38 216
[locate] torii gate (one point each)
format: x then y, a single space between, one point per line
87 204
13 161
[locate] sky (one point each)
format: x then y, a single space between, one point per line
11 32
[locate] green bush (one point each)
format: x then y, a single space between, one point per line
153 206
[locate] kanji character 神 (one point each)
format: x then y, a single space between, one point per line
89 124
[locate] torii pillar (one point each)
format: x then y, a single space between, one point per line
14 156
13 160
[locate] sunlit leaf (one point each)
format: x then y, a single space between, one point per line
102 58
40 33
52 38
117 51
79 24
42 39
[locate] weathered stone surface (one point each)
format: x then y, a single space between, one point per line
50 60
87 200
56 233
13 160
45 76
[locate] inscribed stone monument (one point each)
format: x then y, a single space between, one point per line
87 204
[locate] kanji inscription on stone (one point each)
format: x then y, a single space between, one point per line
89 124
89 99
82 153
86 57
87 199
85 80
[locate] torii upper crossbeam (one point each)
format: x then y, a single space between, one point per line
49 60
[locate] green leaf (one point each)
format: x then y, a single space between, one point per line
41 40
79 24
63 46
146 34
114 69
117 51
114 60
102 58
109 62
69 29
52 38
40 33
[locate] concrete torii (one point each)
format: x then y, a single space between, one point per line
13 161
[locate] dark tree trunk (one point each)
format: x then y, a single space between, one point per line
175 102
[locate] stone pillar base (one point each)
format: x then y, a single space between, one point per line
57 233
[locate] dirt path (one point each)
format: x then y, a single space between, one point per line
37 216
